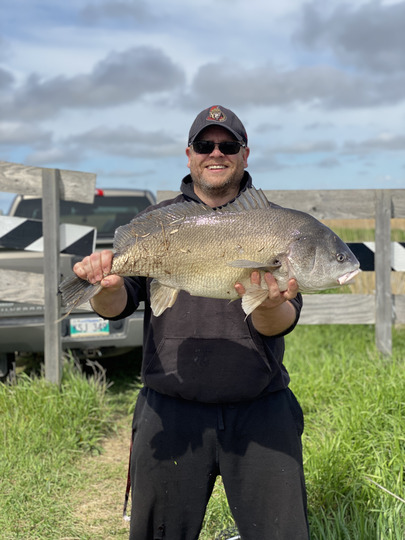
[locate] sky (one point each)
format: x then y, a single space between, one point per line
113 86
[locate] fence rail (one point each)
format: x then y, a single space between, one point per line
383 309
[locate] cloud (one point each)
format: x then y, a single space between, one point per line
305 148
122 141
126 141
16 133
54 156
118 10
6 79
318 125
369 37
266 127
384 142
121 77
320 86
329 163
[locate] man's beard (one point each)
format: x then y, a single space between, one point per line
218 190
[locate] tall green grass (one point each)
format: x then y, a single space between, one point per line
45 428
366 235
354 405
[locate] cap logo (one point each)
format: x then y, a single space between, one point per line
216 114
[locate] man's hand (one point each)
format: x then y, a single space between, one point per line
276 314
275 297
95 269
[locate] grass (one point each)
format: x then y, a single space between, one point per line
363 230
354 444
354 406
45 430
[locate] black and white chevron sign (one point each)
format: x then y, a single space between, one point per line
365 251
26 234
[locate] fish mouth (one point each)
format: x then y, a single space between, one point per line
347 278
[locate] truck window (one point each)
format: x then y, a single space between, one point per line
106 213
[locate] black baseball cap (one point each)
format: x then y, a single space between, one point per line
220 116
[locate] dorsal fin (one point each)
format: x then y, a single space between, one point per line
250 199
172 215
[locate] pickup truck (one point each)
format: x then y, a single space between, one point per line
85 334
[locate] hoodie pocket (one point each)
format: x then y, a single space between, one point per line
208 370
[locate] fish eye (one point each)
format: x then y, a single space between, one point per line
340 257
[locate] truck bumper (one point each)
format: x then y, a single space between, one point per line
26 334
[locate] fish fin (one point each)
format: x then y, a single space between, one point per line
245 263
76 291
253 297
161 297
164 218
250 199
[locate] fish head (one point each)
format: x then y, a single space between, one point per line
319 259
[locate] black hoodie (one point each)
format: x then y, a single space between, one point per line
205 349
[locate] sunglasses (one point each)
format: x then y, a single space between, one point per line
226 147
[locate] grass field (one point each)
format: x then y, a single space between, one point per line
354 443
354 407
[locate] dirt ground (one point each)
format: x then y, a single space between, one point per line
100 498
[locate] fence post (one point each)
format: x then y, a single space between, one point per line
50 225
383 296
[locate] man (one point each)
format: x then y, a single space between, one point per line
215 399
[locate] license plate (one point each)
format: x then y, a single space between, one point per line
92 326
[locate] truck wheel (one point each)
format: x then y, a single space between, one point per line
7 367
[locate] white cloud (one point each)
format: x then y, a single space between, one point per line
319 85
125 140
119 78
132 12
370 36
16 133
305 147
386 142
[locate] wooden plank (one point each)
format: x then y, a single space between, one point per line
327 204
336 204
31 261
52 324
27 234
24 287
27 180
338 309
399 309
382 261
398 203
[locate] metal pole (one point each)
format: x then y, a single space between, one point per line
50 223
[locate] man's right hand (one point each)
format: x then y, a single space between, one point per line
96 268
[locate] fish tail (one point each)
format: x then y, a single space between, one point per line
76 291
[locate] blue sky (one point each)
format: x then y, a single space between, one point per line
112 87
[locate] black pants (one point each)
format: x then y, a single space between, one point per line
180 447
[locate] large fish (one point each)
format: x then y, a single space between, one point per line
204 251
